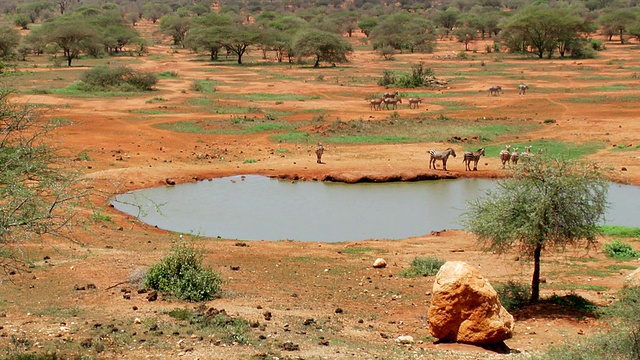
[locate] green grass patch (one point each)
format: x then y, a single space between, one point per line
200 101
573 286
451 105
226 127
597 99
148 111
55 311
356 250
296 137
419 266
614 268
204 86
620 231
549 147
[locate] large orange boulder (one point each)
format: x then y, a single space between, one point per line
465 308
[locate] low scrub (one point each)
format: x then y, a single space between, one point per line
120 78
513 296
621 250
620 342
182 275
428 266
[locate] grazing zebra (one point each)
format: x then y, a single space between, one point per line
527 155
515 156
472 156
522 89
413 102
440 155
393 102
392 95
376 104
505 155
495 90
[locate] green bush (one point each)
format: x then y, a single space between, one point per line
388 78
513 295
120 78
619 249
620 342
181 274
428 266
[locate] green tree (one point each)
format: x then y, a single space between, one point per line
71 34
39 189
176 27
465 35
543 28
9 40
237 38
618 22
448 19
155 11
547 203
323 46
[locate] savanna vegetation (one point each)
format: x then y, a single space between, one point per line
299 42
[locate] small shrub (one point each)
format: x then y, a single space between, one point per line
250 161
181 274
120 78
513 295
428 266
388 78
619 249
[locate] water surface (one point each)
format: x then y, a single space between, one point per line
255 207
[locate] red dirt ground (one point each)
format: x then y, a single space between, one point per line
295 280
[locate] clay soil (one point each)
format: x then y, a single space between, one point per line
325 299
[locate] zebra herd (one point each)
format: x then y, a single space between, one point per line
497 90
393 99
468 157
506 156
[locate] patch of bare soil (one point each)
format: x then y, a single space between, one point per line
303 299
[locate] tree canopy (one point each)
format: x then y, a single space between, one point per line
322 45
547 203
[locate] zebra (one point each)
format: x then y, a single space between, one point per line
440 155
495 90
472 156
505 155
389 95
522 89
414 102
515 156
375 104
393 102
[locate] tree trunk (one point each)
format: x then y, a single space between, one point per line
535 281
621 37
317 64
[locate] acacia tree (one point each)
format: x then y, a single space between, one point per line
323 46
38 188
547 203
71 34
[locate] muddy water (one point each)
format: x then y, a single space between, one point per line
254 207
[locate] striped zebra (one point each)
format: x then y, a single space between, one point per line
495 90
522 89
505 155
440 155
472 156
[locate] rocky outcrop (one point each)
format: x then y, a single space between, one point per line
465 308
633 279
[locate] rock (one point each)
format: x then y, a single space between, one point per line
465 308
379 263
633 279
405 339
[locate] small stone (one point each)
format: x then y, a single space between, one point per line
405 339
379 263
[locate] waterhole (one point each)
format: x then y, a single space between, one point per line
254 207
